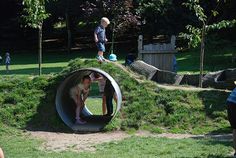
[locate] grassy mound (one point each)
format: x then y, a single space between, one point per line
30 103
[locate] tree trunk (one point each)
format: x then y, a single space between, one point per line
113 39
40 48
68 32
202 55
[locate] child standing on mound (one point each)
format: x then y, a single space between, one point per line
100 38
79 94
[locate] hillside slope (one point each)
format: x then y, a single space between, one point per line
29 103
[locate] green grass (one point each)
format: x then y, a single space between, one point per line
159 110
25 63
27 103
16 145
216 58
94 104
30 103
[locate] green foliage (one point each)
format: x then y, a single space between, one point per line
194 33
35 12
193 36
20 98
196 7
222 24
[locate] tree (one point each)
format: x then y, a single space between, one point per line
69 11
197 34
121 13
35 14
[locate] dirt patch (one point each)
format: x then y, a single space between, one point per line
76 142
219 137
87 142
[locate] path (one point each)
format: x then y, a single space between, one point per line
86 142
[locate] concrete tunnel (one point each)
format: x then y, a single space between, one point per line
66 106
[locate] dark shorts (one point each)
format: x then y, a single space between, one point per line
231 109
101 46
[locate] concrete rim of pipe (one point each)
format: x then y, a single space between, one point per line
63 102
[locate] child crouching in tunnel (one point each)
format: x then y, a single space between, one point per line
79 94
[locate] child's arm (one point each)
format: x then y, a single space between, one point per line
85 97
106 38
95 37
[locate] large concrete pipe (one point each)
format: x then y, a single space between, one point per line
65 106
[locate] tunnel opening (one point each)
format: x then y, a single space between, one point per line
66 106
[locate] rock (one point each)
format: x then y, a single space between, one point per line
223 79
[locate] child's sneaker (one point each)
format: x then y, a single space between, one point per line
80 122
100 58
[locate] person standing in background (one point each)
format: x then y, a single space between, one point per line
0 59
7 61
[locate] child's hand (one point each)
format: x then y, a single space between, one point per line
106 40
96 40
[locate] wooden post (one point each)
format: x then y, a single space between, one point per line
140 46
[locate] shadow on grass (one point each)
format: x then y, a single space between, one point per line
212 102
215 108
215 142
46 117
32 71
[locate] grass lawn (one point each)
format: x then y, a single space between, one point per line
215 59
95 105
94 101
23 102
18 145
25 63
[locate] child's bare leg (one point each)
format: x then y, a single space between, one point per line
100 53
79 108
1 153
104 108
234 139
7 68
78 111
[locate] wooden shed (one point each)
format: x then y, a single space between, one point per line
160 55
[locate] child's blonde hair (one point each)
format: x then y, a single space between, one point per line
106 20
